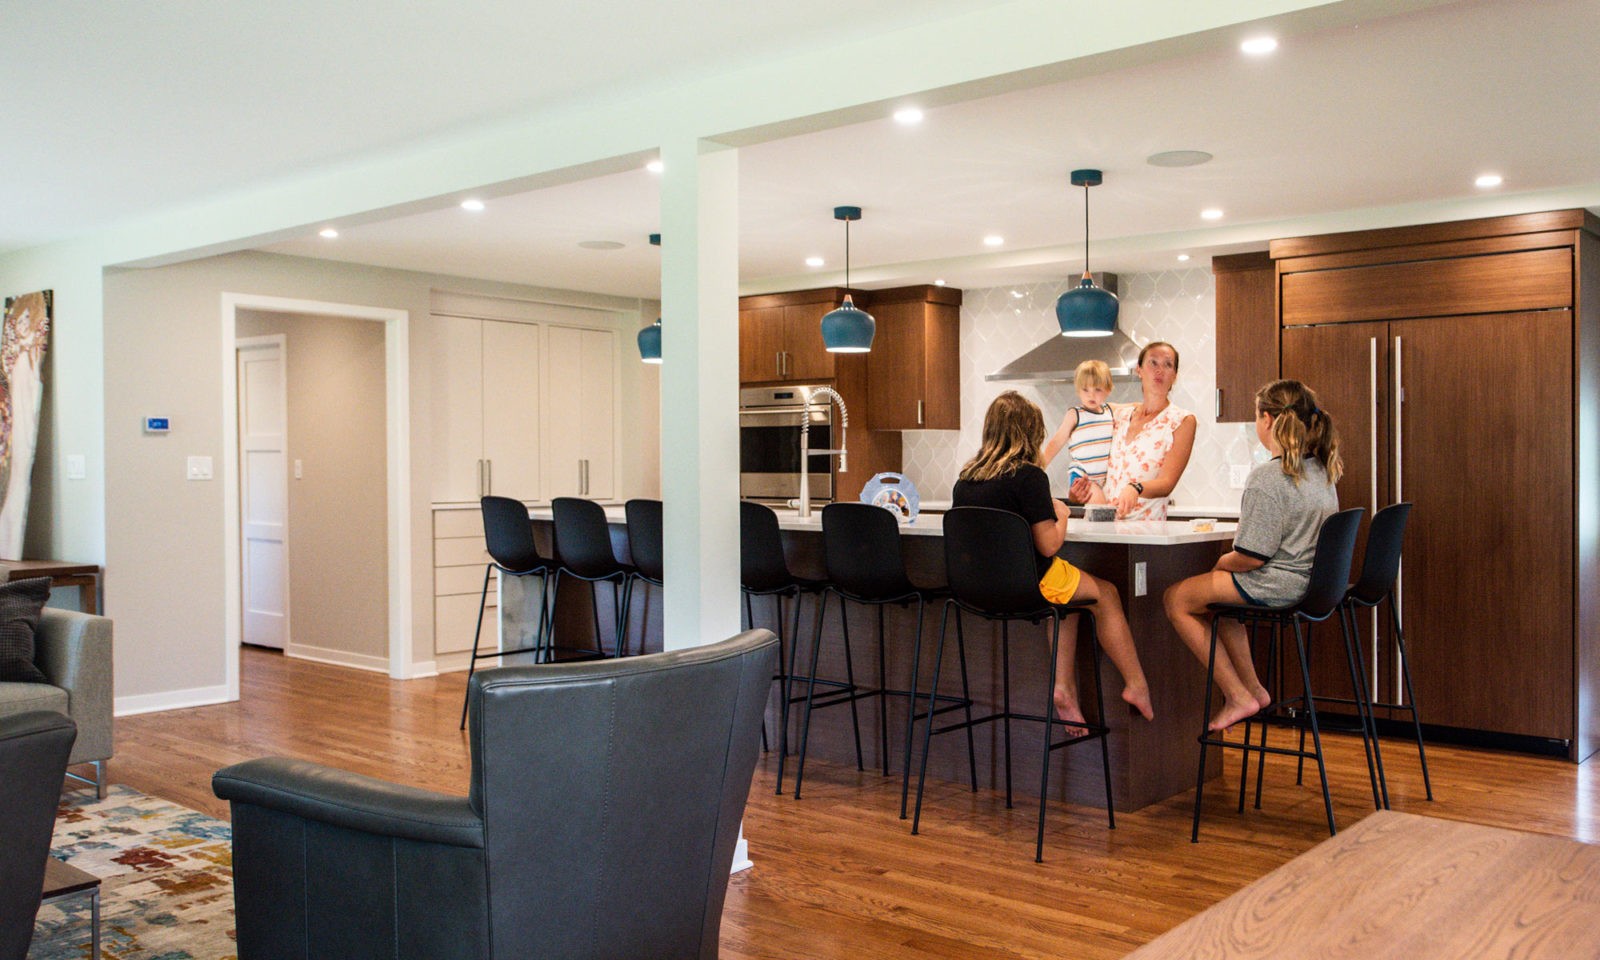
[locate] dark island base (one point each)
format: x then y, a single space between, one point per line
1150 761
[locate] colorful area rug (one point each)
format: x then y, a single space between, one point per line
166 881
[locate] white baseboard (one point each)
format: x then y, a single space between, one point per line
340 658
423 669
170 700
741 856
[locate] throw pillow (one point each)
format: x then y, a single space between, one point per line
20 603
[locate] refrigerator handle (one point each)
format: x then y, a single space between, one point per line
1372 433
1399 496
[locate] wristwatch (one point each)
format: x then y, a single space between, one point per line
1137 487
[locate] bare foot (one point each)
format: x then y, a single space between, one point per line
1139 699
1231 713
1263 698
1067 710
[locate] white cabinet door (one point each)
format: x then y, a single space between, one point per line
579 414
598 390
457 411
511 408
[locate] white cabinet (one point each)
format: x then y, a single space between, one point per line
485 409
580 414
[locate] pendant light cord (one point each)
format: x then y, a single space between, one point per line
1085 228
847 258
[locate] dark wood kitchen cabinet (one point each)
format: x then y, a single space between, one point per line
1247 332
1461 363
780 337
914 369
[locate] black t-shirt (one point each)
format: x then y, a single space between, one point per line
1025 492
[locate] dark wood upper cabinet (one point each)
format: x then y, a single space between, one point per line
914 369
780 337
1247 332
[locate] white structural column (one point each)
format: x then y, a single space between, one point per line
700 391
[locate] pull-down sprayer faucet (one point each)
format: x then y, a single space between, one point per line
827 393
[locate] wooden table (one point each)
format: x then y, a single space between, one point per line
1411 888
62 881
84 576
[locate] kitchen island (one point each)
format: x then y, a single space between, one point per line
1150 761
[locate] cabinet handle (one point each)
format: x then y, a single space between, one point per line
1399 496
1218 414
480 479
777 363
488 477
919 413
786 363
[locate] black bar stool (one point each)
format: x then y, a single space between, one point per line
763 572
861 547
989 559
645 546
508 536
1379 570
583 542
1330 577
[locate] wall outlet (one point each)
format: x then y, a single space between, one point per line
77 468
1238 475
1140 585
199 468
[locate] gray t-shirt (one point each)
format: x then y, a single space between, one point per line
1278 524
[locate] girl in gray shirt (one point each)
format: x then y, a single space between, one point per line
1280 515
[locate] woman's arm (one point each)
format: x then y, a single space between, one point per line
1235 562
1049 535
1059 439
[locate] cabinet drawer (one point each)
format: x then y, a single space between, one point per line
453 580
1495 283
455 618
458 523
460 551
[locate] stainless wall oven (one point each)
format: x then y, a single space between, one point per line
769 443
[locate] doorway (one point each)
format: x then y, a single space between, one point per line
263 420
397 655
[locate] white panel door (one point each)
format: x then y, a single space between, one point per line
597 411
562 466
511 408
263 491
457 409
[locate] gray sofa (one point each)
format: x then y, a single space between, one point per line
74 650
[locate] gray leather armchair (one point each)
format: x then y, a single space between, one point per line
73 650
604 806
33 757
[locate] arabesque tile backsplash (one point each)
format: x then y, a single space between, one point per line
999 324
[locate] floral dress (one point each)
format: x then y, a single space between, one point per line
1141 457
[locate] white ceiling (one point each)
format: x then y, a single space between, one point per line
1387 122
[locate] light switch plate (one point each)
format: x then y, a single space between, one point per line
199 468
1140 585
298 471
77 468
1238 475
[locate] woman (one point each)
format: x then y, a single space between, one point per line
1006 475
1280 516
1150 443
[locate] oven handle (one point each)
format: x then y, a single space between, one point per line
820 414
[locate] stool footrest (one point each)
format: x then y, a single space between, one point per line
1248 747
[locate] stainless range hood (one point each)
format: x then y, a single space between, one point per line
1057 359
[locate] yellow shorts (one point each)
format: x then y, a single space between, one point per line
1060 582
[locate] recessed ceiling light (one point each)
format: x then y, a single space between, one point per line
908 116
655 166
1178 158
1211 213
993 240
600 245
473 205
815 261
1256 46
939 282
1183 258
1489 180
327 233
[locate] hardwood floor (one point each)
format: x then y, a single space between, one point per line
838 874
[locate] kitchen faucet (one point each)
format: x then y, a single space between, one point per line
828 393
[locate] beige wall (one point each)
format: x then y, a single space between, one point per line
165 535
337 535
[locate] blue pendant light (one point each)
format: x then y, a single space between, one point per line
650 337
1086 310
848 329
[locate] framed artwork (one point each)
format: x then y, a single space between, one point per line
22 344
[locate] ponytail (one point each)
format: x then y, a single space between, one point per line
1301 428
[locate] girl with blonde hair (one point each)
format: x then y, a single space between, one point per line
1006 475
1285 501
